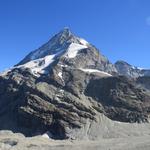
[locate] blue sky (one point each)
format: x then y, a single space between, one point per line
119 28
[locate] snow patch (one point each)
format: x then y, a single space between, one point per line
4 73
139 68
73 49
47 135
63 65
95 70
60 75
84 42
38 66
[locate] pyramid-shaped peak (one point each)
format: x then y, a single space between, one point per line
65 33
59 42
66 36
66 30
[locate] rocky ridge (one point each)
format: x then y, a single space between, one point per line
123 68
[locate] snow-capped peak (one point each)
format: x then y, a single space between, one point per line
59 42
64 43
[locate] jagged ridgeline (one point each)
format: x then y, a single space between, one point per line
66 86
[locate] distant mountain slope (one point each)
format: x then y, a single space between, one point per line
128 70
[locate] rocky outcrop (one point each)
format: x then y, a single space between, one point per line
36 105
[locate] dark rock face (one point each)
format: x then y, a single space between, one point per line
67 95
144 82
121 100
36 105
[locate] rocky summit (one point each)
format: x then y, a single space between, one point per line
67 89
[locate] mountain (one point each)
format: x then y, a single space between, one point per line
66 88
66 49
128 70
